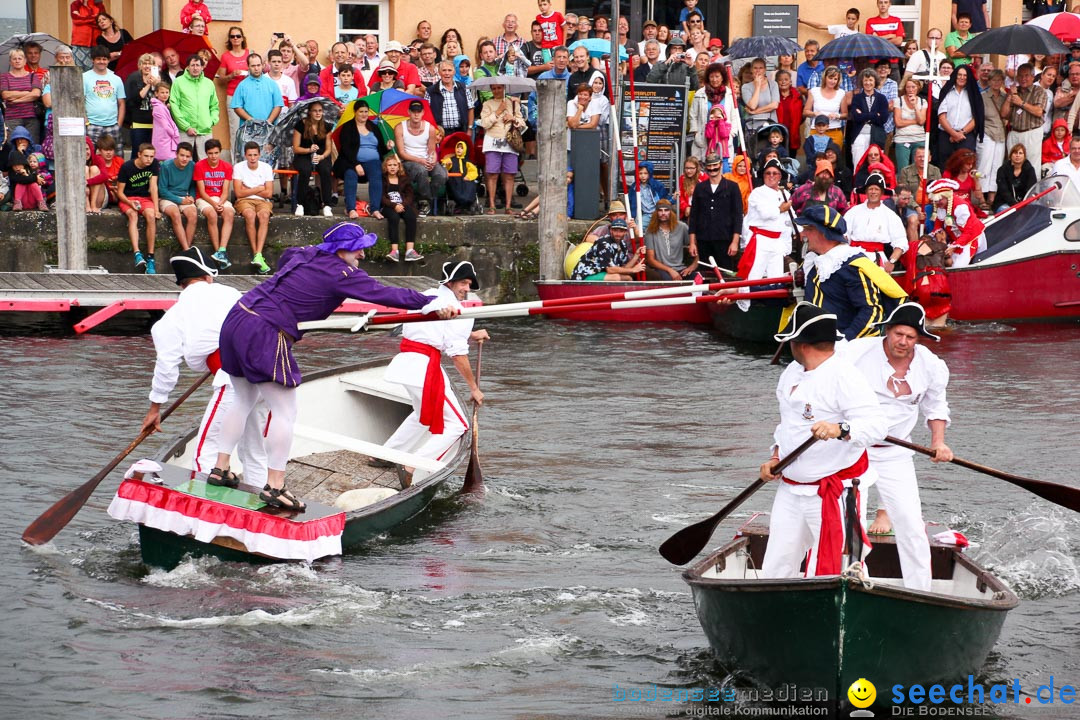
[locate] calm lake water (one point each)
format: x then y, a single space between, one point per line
598 442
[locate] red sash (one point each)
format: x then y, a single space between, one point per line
213 361
873 247
431 403
746 262
831 535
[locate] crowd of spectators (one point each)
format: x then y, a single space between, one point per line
993 130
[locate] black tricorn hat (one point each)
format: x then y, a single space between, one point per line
190 264
912 315
810 324
452 272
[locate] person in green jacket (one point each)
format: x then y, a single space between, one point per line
194 104
176 194
488 68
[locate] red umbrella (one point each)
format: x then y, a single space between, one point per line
157 41
1065 26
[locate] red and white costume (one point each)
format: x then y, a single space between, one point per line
437 419
959 221
871 229
926 378
189 332
768 235
810 495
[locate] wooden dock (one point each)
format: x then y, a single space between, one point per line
100 296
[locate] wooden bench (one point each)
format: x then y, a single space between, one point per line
363 447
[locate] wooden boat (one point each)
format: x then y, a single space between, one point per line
828 632
558 289
344 416
1029 270
759 324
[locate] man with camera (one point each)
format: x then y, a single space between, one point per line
677 68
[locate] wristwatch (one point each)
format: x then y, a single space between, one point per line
845 431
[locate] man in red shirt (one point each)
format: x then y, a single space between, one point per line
213 180
406 71
889 27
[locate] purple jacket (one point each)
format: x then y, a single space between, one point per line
310 284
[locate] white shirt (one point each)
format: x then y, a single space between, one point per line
253 178
189 332
840 31
287 85
916 64
835 392
1065 167
877 225
763 211
927 376
450 337
956 106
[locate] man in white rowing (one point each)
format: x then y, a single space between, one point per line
820 395
437 419
189 333
906 377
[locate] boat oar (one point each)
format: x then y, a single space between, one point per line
683 546
1063 495
474 478
63 510
488 312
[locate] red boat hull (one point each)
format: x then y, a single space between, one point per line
1046 287
693 314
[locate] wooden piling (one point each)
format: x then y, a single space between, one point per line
551 151
69 148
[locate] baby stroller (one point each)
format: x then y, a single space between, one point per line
462 182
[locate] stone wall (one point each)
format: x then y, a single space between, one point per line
503 249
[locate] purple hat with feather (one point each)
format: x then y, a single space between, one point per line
346 236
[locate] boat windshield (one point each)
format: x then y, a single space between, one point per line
1060 192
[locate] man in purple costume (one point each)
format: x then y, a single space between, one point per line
259 332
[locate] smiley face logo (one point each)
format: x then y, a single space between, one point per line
862 693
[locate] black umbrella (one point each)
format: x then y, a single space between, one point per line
1014 40
763 46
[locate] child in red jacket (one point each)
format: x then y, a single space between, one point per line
1056 145
193 8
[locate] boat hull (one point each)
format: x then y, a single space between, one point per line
823 634
696 314
167 549
759 324
1029 289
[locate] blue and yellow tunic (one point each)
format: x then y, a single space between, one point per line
850 285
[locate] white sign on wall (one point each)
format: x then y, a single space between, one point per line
226 9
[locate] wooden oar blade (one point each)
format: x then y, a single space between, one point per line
474 477
53 520
1063 495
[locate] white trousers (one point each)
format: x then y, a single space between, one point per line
282 404
991 155
1032 141
768 261
250 449
413 437
963 259
794 528
900 495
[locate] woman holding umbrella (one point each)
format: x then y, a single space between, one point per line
867 112
827 100
497 116
360 155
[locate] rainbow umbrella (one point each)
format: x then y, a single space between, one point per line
388 109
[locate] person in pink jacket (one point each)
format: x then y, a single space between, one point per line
166 135
193 8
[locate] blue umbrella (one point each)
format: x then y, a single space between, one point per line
763 46
859 45
599 47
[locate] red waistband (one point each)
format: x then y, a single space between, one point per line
213 361
831 534
431 402
765 232
871 246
